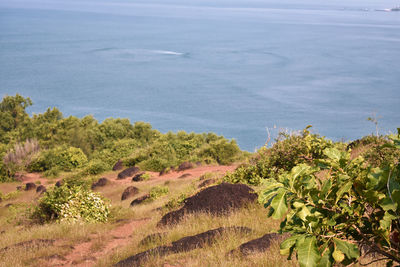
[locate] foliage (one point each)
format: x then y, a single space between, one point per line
12 115
173 149
288 151
95 167
328 218
65 158
158 191
71 202
108 142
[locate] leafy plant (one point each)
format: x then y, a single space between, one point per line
71 202
158 191
65 158
330 217
288 151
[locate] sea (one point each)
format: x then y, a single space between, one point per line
244 69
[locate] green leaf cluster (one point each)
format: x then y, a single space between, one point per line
333 204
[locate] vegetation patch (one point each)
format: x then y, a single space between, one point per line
72 201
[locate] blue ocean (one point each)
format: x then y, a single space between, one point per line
236 68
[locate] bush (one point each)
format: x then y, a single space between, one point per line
71 202
95 167
53 172
65 158
158 191
222 151
288 151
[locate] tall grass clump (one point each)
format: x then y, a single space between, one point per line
20 156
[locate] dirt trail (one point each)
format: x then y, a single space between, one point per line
32 178
82 254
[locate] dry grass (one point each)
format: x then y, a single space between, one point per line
67 236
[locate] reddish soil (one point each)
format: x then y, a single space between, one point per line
82 254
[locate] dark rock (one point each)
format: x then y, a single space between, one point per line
217 200
152 238
182 245
30 244
138 177
1 199
139 200
198 163
128 173
41 189
118 166
200 240
129 192
19 188
164 171
140 258
259 245
207 183
30 186
184 175
185 166
101 182
59 183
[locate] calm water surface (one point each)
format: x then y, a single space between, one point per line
230 67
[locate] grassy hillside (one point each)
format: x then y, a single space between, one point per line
331 203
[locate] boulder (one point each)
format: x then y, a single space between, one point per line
185 166
217 200
118 166
129 192
101 182
41 189
140 200
138 177
30 186
129 172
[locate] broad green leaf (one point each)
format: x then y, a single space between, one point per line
344 189
326 259
325 188
338 255
307 252
299 170
396 197
388 204
350 250
279 204
288 244
333 153
386 221
303 213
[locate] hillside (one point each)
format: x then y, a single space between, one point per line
76 192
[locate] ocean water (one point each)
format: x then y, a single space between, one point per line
234 68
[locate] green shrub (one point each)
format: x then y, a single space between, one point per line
175 202
65 158
285 153
71 202
158 191
95 167
53 172
222 151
